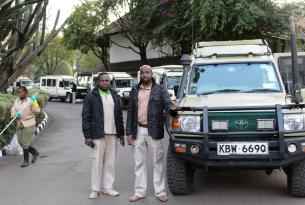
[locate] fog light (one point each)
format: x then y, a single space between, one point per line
195 149
265 124
220 124
292 148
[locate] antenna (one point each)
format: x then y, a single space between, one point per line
192 7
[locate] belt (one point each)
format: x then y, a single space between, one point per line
143 125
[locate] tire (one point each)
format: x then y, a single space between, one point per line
180 174
50 98
296 179
69 98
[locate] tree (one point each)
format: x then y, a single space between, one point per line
88 61
207 20
19 25
54 55
131 25
64 68
84 28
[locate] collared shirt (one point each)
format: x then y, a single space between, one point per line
143 99
108 108
27 110
104 93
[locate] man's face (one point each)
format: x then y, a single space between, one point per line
146 74
104 82
21 93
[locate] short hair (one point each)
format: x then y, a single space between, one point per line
22 87
145 66
101 74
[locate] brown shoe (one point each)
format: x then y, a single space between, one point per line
162 198
135 197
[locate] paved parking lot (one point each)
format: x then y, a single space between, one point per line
62 175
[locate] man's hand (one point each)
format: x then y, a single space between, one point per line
175 105
89 142
122 141
129 139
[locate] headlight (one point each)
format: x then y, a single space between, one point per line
293 122
190 123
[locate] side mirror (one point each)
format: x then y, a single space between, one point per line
176 89
288 87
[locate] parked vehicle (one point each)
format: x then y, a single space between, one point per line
167 75
60 86
21 81
122 82
236 114
283 60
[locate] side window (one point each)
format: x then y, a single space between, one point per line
53 83
43 82
49 81
61 84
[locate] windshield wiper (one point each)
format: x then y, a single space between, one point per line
220 91
262 90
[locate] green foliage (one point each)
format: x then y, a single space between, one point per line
207 20
88 61
64 68
84 28
54 58
6 103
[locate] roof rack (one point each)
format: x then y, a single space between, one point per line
250 48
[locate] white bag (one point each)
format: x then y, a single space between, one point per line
14 147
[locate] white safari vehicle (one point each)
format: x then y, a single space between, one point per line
122 82
235 114
283 60
60 86
167 75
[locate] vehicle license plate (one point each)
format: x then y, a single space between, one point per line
242 148
83 93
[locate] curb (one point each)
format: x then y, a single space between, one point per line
42 124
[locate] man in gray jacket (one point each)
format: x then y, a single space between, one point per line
145 129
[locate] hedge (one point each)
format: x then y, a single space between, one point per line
6 103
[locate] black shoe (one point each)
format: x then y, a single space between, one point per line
24 164
35 154
26 158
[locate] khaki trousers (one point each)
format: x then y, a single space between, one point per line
103 162
142 143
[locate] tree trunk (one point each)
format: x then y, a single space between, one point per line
143 54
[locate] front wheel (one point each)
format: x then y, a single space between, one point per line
296 179
180 174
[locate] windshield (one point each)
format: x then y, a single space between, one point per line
67 82
26 83
235 77
172 81
124 83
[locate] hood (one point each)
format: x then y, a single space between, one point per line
233 99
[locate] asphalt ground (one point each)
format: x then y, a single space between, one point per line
62 174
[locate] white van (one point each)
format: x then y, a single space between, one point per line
167 75
59 86
122 82
21 81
